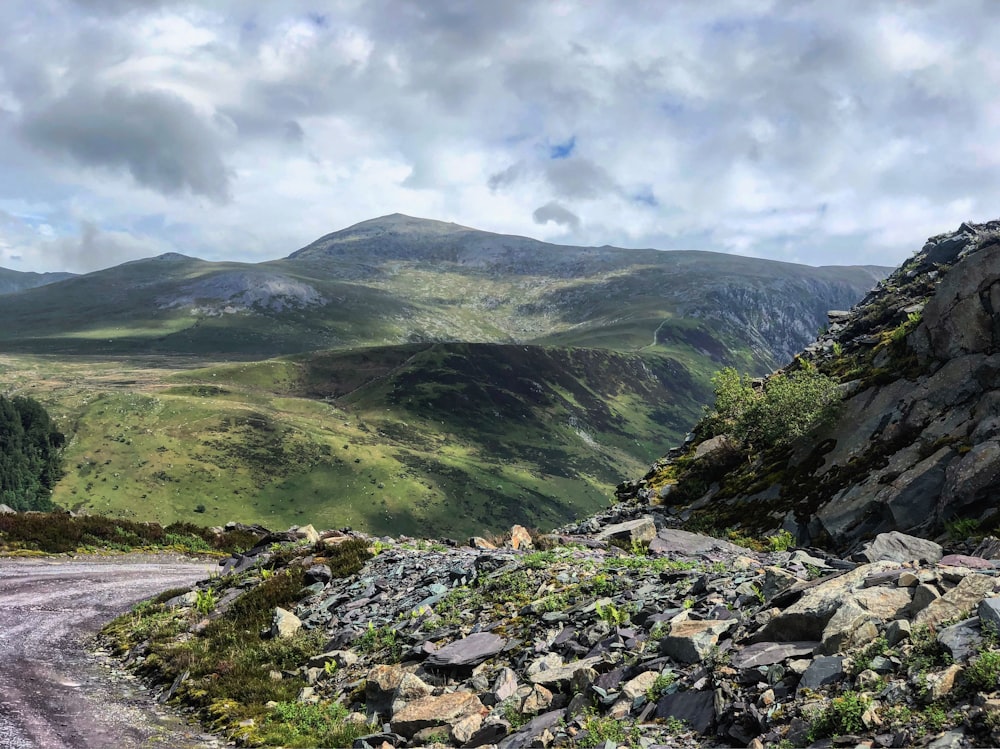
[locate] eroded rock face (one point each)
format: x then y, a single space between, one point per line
917 442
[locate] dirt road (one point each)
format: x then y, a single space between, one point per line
53 694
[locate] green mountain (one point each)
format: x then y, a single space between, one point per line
474 378
13 280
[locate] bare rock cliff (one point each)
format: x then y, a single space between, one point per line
916 444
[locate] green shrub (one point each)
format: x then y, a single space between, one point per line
299 724
782 541
983 674
601 729
841 716
775 412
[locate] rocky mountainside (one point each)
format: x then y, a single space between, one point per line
916 444
623 631
13 280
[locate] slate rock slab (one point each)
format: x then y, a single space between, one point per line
467 652
697 709
964 560
640 530
767 653
826 669
530 730
989 613
900 547
962 639
685 543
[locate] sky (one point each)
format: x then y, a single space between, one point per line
815 132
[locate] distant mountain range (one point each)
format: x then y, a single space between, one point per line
13 280
473 377
398 279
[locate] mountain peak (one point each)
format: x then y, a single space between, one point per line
401 223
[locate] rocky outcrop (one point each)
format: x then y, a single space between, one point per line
916 445
579 642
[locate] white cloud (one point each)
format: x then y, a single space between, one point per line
811 131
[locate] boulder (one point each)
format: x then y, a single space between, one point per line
7 510
899 547
696 709
955 321
467 652
897 631
639 531
957 602
504 686
537 700
961 639
691 641
989 613
555 674
520 538
825 669
638 686
284 623
318 573
529 732
444 711
677 542
306 533
849 627
971 479
807 618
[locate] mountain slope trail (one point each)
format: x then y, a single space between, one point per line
53 693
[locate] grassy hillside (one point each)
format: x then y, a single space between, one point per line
425 438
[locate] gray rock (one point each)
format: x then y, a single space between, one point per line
972 478
923 596
470 651
641 530
525 737
691 641
958 601
899 547
849 627
767 653
954 739
678 542
955 321
696 709
488 734
825 669
561 673
961 639
504 686
7 510
989 613
318 573
989 548
897 631
376 740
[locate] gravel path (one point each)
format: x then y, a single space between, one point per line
54 694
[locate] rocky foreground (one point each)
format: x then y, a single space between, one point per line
622 631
